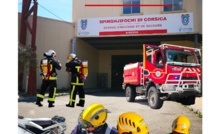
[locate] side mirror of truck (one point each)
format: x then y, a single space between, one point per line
199 59
198 56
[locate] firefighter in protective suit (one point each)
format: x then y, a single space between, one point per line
74 67
131 123
93 121
181 125
48 66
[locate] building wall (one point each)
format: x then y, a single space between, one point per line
182 43
56 35
86 52
195 6
81 11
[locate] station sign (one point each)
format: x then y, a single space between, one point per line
136 25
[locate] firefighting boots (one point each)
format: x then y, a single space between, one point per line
81 103
51 104
39 103
72 105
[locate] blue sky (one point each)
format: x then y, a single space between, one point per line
54 9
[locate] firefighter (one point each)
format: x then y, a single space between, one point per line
48 66
75 68
131 123
93 121
181 125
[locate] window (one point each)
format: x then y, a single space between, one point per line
180 56
149 58
176 5
154 57
131 9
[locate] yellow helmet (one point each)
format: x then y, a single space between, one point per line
181 125
131 123
93 116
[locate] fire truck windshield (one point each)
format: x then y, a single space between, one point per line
179 57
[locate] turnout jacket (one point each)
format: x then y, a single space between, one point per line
104 129
53 64
75 68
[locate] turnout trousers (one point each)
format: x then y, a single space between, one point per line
52 86
77 88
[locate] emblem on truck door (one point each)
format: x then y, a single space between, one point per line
158 73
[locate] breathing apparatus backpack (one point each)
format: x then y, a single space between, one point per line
83 72
45 69
81 75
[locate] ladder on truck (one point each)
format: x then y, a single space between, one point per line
141 74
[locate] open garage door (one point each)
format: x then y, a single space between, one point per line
117 64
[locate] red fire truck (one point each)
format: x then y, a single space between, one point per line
168 72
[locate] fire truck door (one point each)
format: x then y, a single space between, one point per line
150 55
153 62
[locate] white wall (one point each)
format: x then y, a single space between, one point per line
56 35
86 52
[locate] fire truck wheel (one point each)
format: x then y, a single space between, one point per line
154 100
130 94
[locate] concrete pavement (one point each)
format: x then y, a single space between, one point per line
196 108
159 121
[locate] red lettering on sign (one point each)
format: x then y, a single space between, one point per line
155 19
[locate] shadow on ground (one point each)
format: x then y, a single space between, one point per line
24 97
107 93
28 99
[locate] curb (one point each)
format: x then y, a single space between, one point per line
195 110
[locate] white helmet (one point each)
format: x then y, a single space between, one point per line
51 53
71 56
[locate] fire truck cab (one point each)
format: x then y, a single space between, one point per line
168 72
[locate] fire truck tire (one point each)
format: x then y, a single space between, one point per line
130 94
154 100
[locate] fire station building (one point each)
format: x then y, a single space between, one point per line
109 35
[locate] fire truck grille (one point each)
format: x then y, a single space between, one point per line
190 86
189 78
